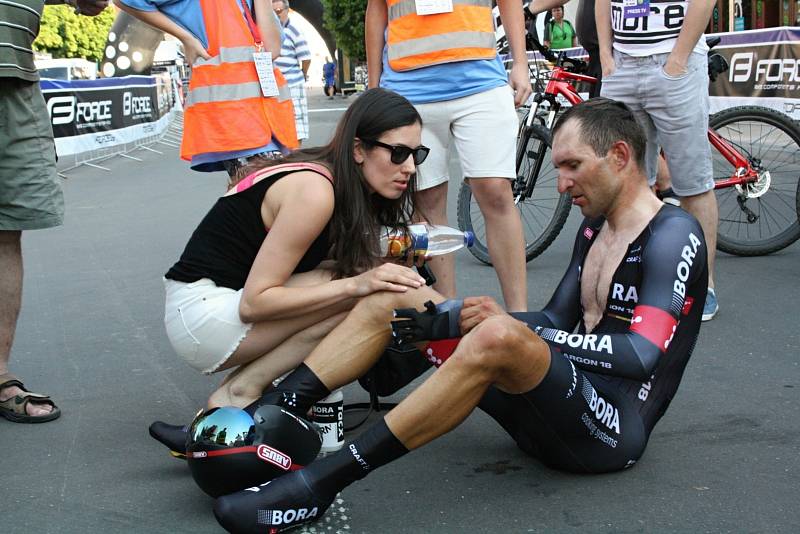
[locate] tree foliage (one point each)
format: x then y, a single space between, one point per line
62 33
345 20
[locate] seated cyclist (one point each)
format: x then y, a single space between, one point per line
579 385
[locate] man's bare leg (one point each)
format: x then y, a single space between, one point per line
353 347
501 351
705 210
432 203
247 382
10 302
504 238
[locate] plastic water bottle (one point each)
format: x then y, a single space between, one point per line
425 240
328 414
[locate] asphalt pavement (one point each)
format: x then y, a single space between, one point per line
723 459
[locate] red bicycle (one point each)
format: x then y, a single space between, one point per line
756 161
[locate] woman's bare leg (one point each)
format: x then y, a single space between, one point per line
246 383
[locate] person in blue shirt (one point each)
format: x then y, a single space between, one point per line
329 76
183 19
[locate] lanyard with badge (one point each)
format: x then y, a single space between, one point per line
433 7
263 60
635 8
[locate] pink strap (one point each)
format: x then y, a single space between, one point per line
257 176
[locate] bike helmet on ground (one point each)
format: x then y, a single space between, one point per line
228 450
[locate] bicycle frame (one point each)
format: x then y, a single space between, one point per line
560 84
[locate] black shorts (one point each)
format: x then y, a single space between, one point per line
572 421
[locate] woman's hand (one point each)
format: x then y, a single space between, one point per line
386 277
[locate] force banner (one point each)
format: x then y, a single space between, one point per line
92 114
764 70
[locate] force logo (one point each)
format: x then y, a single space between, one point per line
67 109
768 70
135 104
274 457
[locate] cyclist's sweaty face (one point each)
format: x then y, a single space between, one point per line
581 173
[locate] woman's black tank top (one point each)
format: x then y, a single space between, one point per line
224 245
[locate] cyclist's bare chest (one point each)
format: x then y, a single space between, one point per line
602 261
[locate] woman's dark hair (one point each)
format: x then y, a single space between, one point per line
358 214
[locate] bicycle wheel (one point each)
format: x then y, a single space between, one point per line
760 217
542 209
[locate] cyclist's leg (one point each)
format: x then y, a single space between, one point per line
484 129
432 179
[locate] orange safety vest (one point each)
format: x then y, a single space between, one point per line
416 41
225 108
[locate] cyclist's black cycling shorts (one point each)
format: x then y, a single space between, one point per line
572 421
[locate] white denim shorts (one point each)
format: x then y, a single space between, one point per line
202 322
482 128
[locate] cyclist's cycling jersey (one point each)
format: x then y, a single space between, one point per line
606 390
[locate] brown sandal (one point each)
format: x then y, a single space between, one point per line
15 408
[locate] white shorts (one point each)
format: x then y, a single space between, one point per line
203 323
483 129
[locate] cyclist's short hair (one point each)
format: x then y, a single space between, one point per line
603 122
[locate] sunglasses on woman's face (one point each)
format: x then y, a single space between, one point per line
400 153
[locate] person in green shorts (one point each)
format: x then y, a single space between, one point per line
560 33
30 192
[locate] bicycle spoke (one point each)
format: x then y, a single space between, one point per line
772 142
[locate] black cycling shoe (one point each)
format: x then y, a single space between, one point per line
173 436
281 504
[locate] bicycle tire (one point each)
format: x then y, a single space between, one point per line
543 214
771 139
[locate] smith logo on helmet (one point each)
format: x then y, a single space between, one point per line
274 457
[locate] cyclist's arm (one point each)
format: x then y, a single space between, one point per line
563 311
376 19
673 260
694 23
605 35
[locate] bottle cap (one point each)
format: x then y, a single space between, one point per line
469 238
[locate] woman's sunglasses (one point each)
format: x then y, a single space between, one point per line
400 153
